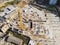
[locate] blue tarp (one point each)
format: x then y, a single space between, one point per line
53 2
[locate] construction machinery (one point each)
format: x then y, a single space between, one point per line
20 6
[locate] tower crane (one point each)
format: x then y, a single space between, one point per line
20 6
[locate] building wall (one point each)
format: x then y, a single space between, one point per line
14 40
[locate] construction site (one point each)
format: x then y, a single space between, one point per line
26 22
